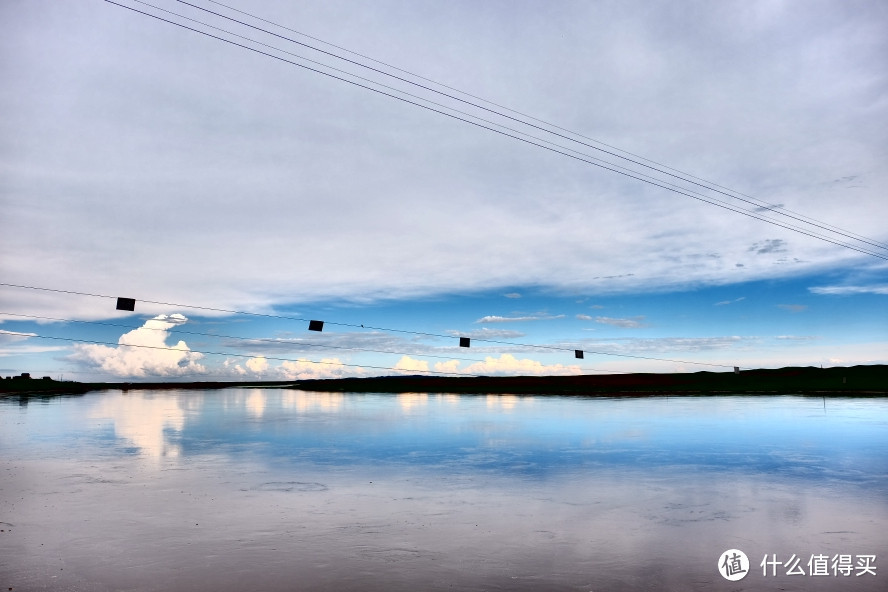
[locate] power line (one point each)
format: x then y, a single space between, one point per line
489 102
550 124
676 173
231 354
612 167
622 170
295 345
598 162
368 327
708 185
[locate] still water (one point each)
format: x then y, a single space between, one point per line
275 490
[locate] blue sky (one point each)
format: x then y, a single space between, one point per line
144 160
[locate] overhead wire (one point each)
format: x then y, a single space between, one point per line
634 174
598 162
558 147
232 354
531 117
707 185
371 327
676 173
631 173
277 342
622 170
509 109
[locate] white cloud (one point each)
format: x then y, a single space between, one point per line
303 369
508 365
11 344
536 317
488 333
660 345
848 290
17 350
521 219
632 323
726 302
13 336
585 317
257 365
409 365
512 295
233 368
143 352
450 366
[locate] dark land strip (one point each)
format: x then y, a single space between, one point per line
855 381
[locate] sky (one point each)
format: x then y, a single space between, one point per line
515 206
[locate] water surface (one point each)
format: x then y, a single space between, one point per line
251 489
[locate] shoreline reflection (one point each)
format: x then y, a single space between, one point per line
258 489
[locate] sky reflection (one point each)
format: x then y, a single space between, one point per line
799 437
400 492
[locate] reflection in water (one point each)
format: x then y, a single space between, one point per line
450 399
410 400
256 402
143 420
283 489
505 402
304 402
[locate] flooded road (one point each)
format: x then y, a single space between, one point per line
243 489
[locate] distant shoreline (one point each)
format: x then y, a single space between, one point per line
850 381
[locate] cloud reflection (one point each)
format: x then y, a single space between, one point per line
303 401
142 420
410 400
505 402
255 402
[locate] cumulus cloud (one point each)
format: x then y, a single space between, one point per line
233 368
633 323
450 366
257 365
508 365
143 352
410 365
585 317
303 369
